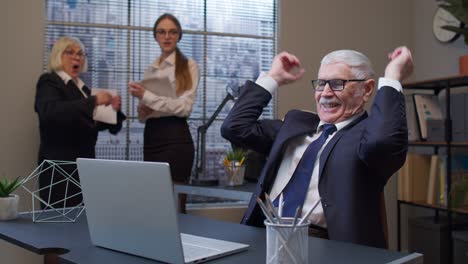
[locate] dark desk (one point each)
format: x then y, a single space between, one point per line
242 192
73 240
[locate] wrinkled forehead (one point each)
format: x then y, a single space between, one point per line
336 70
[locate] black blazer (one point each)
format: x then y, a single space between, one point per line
66 125
354 166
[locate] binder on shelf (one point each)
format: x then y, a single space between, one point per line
432 184
459 180
413 178
466 116
442 181
427 108
411 120
458 116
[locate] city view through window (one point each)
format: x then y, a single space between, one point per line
232 41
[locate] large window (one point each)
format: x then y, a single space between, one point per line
232 41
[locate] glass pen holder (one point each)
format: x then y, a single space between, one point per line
234 173
287 242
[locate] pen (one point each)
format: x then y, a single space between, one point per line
280 205
272 207
265 210
309 212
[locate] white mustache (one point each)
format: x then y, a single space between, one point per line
328 101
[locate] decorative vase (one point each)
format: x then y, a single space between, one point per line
463 64
9 207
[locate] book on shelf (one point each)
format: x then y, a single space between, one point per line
459 181
459 188
432 185
413 178
427 108
442 185
411 120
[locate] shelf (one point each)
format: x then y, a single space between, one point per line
437 143
439 84
462 210
445 84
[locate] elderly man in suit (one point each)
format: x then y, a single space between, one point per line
341 157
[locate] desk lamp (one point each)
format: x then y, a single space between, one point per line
200 154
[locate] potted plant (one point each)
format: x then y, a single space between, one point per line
234 166
9 202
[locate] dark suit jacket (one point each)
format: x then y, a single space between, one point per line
66 125
354 166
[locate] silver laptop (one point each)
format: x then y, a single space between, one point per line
130 207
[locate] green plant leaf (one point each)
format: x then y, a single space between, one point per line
458 8
237 154
7 187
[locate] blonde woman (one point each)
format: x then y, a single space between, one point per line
65 108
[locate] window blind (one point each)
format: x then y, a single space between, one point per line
232 41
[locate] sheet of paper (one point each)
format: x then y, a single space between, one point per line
159 86
105 113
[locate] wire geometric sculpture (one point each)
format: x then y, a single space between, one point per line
56 212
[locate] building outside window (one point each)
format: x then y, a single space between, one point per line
231 40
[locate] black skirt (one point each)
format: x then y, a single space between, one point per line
168 139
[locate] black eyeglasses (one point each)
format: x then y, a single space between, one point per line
163 33
72 53
335 84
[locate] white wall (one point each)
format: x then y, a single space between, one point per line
21 49
310 29
21 65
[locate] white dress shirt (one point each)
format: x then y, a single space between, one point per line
66 78
180 106
296 148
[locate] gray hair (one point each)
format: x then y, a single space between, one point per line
361 67
55 57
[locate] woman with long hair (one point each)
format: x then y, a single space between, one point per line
167 136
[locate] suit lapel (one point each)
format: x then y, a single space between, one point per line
73 89
331 144
296 123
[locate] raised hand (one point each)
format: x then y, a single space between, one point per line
400 65
136 90
286 68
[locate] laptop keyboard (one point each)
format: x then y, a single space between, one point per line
195 247
194 251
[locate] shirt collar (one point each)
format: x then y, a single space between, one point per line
169 61
341 124
66 78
